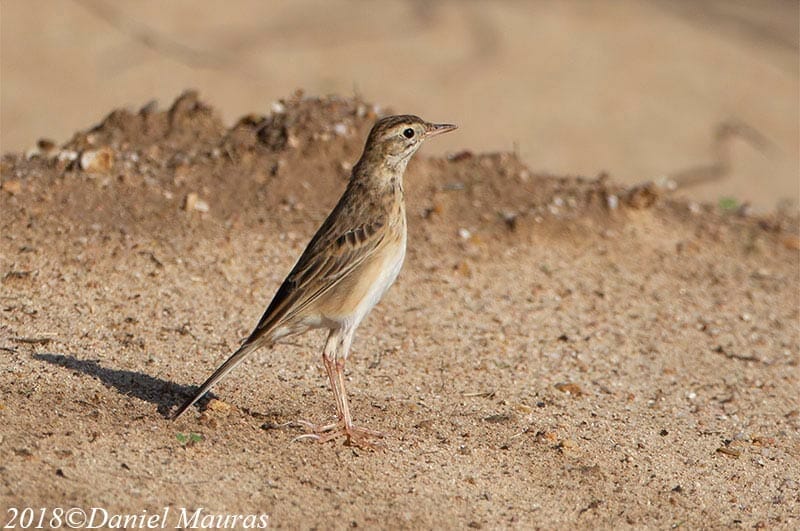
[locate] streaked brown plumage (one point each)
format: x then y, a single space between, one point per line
349 264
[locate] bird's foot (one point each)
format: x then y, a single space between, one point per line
311 428
355 435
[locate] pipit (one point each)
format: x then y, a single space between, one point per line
347 267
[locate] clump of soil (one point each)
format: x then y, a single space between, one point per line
558 351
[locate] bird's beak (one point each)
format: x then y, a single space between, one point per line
438 129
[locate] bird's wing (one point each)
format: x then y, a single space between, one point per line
330 256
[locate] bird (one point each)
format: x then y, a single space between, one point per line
347 267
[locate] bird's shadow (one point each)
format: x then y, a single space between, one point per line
165 394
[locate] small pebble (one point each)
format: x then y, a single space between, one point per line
570 388
97 160
12 186
67 155
193 202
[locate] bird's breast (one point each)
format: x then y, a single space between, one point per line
356 295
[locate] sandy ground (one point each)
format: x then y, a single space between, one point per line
637 89
557 352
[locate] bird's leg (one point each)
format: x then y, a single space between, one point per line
341 394
355 434
333 357
329 360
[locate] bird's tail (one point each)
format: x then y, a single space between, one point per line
219 374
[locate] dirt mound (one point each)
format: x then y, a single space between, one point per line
558 351
301 153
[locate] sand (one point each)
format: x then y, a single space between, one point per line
558 352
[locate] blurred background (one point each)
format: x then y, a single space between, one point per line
705 92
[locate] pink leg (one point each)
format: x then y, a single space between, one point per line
333 357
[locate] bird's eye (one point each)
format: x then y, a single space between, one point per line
408 133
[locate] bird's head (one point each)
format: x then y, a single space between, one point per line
394 139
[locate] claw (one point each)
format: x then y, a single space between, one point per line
305 436
311 427
355 435
364 438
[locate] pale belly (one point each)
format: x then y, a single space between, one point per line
353 298
385 277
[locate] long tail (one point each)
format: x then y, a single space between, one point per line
219 374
